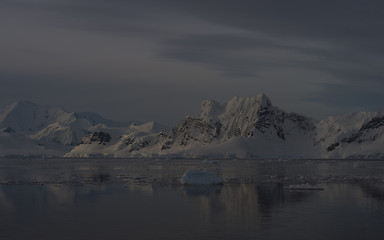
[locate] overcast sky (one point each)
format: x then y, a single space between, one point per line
158 59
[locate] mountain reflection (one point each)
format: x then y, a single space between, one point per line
245 199
201 190
375 191
135 211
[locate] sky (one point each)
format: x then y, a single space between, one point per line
158 60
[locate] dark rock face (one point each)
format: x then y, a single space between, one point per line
375 122
167 145
333 147
136 143
351 138
100 137
139 145
195 129
273 118
130 140
8 130
280 133
302 122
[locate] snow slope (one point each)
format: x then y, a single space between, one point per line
13 143
26 116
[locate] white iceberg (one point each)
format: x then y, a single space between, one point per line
305 186
200 177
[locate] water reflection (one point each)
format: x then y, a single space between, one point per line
119 200
244 211
374 190
202 190
100 177
259 200
5 202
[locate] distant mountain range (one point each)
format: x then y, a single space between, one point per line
28 129
241 128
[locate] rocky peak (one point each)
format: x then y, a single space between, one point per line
249 106
245 117
263 100
210 110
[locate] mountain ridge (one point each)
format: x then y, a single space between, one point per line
245 128
45 130
250 127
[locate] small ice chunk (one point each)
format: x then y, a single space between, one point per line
200 177
357 165
305 186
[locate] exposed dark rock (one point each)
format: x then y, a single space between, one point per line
129 140
280 133
8 130
100 137
351 138
333 147
301 121
373 123
217 128
101 178
195 129
167 145
264 118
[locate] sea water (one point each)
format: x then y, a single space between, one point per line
142 199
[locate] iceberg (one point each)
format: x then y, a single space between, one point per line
199 177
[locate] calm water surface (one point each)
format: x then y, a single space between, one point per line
132 199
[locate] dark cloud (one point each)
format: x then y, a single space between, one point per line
368 96
127 100
350 29
306 18
238 55
141 55
113 17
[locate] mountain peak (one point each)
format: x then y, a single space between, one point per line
28 116
263 100
18 104
210 110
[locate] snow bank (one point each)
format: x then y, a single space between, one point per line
200 177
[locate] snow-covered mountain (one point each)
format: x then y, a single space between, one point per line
30 129
13 143
240 128
356 135
26 116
